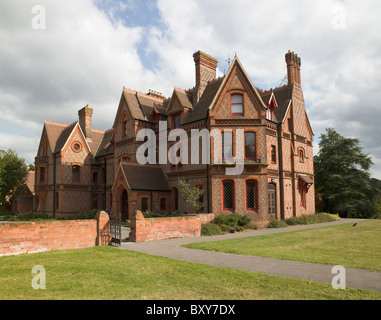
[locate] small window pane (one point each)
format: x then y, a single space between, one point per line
237 108
228 195
237 104
144 204
250 194
76 173
250 145
237 98
227 145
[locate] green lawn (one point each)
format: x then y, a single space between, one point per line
357 247
111 273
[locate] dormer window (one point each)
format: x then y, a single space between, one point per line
270 113
270 110
237 104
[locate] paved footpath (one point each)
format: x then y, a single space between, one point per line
171 248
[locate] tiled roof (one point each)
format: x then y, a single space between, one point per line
53 131
105 147
64 136
145 178
183 98
58 134
200 110
283 96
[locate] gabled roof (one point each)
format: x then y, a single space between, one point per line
183 98
105 147
200 110
282 97
141 105
53 132
145 178
59 133
234 64
65 134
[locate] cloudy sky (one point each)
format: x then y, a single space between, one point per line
58 56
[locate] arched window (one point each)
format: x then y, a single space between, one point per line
272 198
251 195
228 195
237 104
301 155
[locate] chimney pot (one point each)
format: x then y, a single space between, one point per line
293 67
206 67
85 117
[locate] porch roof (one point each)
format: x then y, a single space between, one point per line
145 178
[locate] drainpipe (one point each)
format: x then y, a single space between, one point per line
280 163
104 184
207 169
54 185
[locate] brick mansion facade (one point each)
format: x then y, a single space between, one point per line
79 168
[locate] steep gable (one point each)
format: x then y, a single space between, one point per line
178 102
237 81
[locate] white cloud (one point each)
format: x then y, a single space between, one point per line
84 58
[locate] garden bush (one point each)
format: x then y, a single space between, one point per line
274 223
210 229
311 219
91 214
154 214
232 220
21 216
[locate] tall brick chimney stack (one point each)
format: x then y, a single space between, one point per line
293 67
85 116
206 67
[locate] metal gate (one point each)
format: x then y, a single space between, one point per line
116 230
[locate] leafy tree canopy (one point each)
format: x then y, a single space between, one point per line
192 195
13 174
343 182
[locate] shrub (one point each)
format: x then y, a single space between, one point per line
210 229
310 219
154 214
88 214
27 216
274 223
232 220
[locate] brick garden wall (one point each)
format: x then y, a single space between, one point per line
29 237
143 229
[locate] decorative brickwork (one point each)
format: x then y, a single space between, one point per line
280 154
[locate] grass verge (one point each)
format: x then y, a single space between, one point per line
111 273
357 247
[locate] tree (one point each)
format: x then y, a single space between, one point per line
192 195
342 176
13 174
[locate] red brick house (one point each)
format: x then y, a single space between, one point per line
79 168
